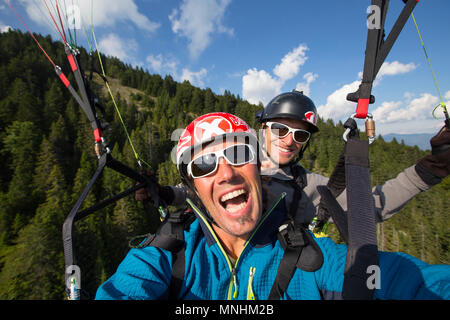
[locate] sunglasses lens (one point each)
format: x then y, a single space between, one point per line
279 129
238 154
203 165
301 136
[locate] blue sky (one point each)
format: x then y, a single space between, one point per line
257 49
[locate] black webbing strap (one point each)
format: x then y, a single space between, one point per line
328 205
335 210
377 49
298 184
285 272
362 249
357 227
293 242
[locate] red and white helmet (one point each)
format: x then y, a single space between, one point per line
208 128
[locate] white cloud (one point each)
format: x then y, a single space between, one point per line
418 109
195 78
410 116
291 62
4 28
162 65
393 68
115 46
337 106
447 95
304 86
169 65
105 13
198 20
388 107
261 86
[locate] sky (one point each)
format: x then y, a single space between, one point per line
259 48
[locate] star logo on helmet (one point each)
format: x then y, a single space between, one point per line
211 127
311 117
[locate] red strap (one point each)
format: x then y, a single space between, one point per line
64 80
97 135
362 108
73 65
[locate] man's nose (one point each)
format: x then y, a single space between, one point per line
289 139
225 171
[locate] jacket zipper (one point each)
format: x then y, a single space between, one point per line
233 281
250 294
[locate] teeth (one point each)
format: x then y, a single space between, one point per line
284 150
232 195
235 208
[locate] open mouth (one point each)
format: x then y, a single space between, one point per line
235 200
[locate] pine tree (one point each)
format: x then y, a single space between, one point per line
35 268
21 141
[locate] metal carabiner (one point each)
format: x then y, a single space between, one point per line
347 131
370 128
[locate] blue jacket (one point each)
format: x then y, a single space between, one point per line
145 273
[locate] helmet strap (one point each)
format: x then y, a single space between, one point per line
198 201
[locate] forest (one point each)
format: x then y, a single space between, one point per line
47 156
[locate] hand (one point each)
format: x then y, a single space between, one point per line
436 164
142 193
165 192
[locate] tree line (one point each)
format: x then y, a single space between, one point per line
48 158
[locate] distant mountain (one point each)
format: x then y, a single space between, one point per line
422 140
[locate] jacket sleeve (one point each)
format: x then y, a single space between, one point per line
402 277
405 277
389 197
144 274
395 193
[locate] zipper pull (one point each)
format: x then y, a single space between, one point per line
250 294
233 273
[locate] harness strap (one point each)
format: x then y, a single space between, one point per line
377 50
298 184
328 205
300 251
285 272
362 237
335 210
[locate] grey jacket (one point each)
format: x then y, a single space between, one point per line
389 198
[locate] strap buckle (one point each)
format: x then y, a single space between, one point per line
291 235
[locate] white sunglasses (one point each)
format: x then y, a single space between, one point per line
206 164
281 130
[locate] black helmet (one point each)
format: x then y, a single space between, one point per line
292 105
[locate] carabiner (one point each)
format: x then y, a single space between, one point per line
347 131
370 128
